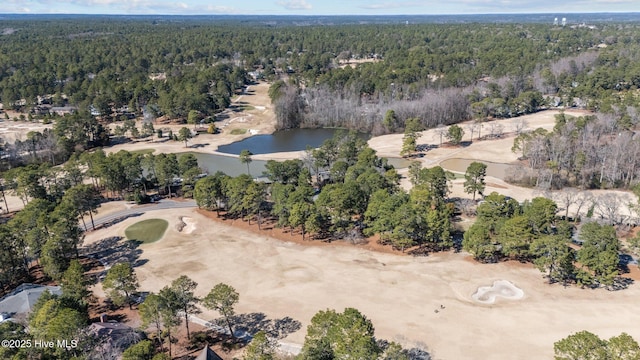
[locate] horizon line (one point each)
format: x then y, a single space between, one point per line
336 15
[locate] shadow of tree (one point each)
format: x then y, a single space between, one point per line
426 147
208 337
418 352
115 221
113 250
620 283
624 261
251 323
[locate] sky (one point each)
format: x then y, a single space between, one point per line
314 7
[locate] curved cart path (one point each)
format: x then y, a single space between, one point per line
138 210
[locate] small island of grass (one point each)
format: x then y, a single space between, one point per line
147 231
239 131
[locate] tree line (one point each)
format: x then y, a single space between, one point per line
496 70
411 84
356 193
71 134
591 152
362 199
531 232
589 346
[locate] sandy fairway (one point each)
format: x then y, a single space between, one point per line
251 111
10 130
491 150
399 293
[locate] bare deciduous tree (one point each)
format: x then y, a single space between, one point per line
519 126
608 206
566 198
473 127
496 129
441 131
584 198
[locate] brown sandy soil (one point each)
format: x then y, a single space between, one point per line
13 202
251 111
353 63
399 293
490 150
10 130
269 228
124 315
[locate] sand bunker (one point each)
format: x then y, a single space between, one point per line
500 288
189 226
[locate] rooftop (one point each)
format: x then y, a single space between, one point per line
24 297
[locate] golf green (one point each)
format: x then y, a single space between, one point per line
147 231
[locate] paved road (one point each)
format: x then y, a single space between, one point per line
137 210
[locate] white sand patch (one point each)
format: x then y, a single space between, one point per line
500 288
254 131
190 225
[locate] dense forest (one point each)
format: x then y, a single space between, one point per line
440 73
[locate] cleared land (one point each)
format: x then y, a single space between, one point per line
250 114
10 130
399 293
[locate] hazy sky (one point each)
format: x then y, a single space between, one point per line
315 7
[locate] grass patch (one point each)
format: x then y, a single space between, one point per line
238 131
246 108
143 151
457 175
147 231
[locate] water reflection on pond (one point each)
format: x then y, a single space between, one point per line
282 141
498 170
228 164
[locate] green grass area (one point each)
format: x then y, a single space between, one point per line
238 131
147 231
246 108
143 151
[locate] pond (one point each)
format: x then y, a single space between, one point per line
282 141
233 167
498 170
228 164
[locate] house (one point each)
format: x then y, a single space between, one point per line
63 110
208 354
41 109
94 111
113 335
23 298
